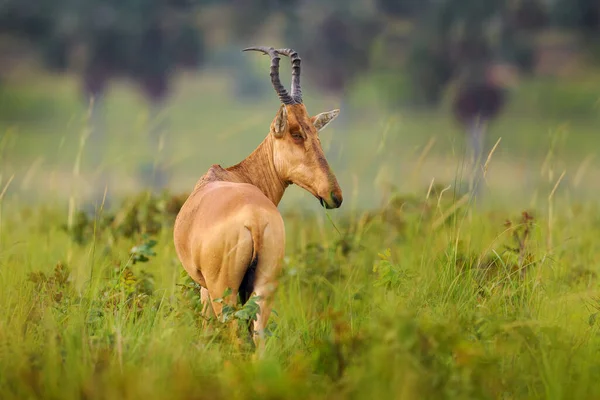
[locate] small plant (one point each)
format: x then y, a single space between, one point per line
143 214
389 274
334 353
513 261
242 312
57 286
595 305
143 252
84 227
146 214
239 315
125 288
190 297
520 237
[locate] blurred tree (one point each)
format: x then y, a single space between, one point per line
339 48
248 17
521 20
402 8
335 37
143 40
528 15
466 42
146 41
244 21
29 19
430 69
582 15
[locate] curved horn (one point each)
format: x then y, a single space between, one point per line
281 92
296 91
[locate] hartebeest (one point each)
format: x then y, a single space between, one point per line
229 233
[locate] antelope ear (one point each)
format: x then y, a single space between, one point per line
320 121
279 125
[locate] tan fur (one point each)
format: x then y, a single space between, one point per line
231 218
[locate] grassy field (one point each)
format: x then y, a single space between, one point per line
547 125
408 291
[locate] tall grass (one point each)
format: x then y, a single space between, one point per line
393 306
423 296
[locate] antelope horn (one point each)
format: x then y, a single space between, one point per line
296 91
281 92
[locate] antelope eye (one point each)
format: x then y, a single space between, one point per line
296 136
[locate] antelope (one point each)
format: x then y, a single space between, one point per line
229 232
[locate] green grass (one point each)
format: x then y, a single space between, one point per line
409 302
369 143
405 293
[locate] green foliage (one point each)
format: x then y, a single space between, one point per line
123 288
411 299
244 313
457 41
430 70
389 274
56 288
402 8
581 14
459 306
143 252
248 311
143 39
144 214
339 46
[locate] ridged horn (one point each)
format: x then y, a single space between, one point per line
293 55
281 92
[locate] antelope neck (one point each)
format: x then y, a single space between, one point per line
258 169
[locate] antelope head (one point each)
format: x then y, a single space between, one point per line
297 153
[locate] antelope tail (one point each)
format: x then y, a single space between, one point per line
247 285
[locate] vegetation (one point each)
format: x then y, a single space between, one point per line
422 298
148 40
411 290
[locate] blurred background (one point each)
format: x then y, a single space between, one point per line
127 95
